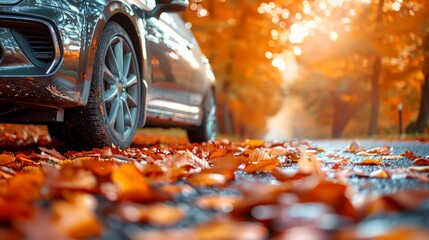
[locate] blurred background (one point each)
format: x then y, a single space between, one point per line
316 69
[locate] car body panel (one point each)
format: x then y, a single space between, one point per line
172 66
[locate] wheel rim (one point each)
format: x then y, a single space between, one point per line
211 118
120 88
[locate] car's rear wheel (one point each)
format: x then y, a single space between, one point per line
207 130
111 116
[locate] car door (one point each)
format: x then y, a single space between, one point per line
171 58
199 79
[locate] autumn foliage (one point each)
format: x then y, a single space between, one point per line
239 190
348 64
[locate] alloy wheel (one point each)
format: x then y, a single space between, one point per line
120 87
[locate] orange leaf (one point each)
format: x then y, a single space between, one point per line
99 167
380 173
283 176
263 165
369 161
177 189
26 186
419 169
354 147
219 153
160 213
254 143
207 179
14 210
6 158
421 161
220 203
131 184
75 216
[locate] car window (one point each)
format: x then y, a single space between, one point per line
176 22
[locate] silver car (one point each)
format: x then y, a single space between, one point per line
96 70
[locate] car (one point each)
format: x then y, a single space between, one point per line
94 71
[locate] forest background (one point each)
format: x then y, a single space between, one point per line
323 68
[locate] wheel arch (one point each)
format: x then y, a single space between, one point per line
125 16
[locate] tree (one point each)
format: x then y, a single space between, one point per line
421 122
249 88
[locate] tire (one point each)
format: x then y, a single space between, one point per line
114 107
207 130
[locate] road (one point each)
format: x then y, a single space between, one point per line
373 186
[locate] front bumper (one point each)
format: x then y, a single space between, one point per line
30 46
42 60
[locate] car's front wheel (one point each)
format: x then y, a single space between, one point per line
207 130
111 116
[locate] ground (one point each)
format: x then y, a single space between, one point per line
165 188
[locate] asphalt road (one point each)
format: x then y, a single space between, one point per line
366 186
373 186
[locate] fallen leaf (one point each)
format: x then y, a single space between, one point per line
262 165
399 157
224 203
6 158
308 163
355 147
419 169
370 161
421 161
160 213
380 173
177 189
410 155
206 179
131 184
75 216
254 143
222 151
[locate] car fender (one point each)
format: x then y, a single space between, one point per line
102 12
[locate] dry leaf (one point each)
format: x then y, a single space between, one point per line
6 158
131 184
75 216
370 161
159 213
308 163
399 157
222 151
222 203
421 161
206 179
380 173
254 143
419 169
355 147
262 165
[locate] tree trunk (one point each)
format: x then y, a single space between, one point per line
343 112
375 96
375 88
421 122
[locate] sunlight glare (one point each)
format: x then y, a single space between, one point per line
298 33
335 3
297 50
333 36
323 6
279 63
274 34
269 55
396 6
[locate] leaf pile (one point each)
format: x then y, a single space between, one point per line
48 194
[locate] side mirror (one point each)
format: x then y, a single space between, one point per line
169 6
